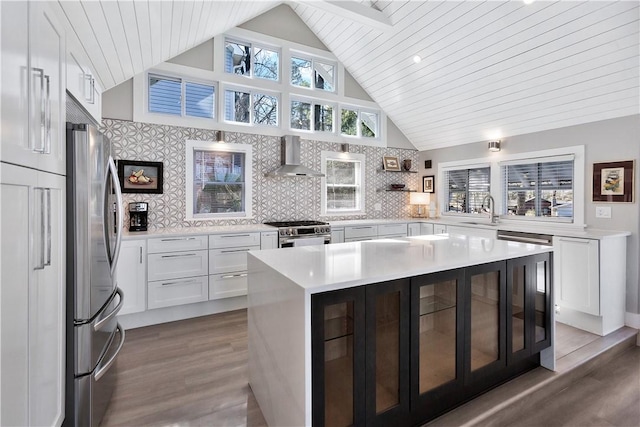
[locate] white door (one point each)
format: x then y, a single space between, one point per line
576 265
33 296
132 275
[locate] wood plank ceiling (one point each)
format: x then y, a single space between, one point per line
489 69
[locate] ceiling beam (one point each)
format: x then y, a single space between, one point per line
352 10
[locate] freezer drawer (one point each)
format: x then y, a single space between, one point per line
177 244
177 292
177 265
227 285
229 260
93 391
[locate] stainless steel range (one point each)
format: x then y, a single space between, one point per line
302 233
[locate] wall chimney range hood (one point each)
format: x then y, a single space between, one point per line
290 157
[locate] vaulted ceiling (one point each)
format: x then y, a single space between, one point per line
489 69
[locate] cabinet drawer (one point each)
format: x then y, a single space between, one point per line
177 292
177 265
227 285
229 259
359 239
439 229
233 240
174 244
361 231
392 229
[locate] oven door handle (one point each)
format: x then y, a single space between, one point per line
326 237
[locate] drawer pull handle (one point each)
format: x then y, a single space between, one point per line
177 239
230 276
179 283
234 250
362 228
236 235
176 256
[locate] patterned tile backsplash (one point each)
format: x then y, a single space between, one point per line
274 199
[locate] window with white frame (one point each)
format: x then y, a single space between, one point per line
218 180
466 188
312 115
343 184
179 97
312 73
251 60
251 107
539 188
355 122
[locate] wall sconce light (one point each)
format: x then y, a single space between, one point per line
420 200
220 136
344 148
494 145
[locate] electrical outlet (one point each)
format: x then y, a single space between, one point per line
603 211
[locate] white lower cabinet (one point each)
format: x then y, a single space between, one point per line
360 233
177 265
32 299
269 240
439 229
392 230
337 235
419 229
577 265
167 293
228 263
132 275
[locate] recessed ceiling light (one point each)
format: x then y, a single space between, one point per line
417 59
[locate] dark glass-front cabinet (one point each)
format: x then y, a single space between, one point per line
405 351
360 354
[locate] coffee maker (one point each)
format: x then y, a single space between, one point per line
138 216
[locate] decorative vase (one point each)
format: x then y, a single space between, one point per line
406 164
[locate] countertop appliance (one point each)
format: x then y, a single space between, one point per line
94 234
138 215
300 233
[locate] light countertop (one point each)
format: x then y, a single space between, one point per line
328 267
190 231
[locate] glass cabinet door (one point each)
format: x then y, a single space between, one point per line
518 309
338 357
540 294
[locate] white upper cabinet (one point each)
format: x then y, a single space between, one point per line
81 83
33 87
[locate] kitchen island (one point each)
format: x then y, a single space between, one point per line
393 331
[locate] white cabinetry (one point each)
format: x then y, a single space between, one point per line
357 233
269 240
32 310
177 271
419 229
388 231
337 235
426 229
590 281
439 229
228 263
81 82
33 87
132 275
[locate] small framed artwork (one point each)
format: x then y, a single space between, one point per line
390 163
428 184
613 181
140 177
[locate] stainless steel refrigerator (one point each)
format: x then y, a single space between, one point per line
94 232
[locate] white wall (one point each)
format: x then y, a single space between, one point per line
608 140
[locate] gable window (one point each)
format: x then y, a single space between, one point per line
343 184
179 97
218 180
247 59
539 188
466 189
244 106
312 73
355 122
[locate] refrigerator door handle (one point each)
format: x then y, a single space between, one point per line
112 175
101 370
100 323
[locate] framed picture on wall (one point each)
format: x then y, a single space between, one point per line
428 184
140 177
613 181
391 163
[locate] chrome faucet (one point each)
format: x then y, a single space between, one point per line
492 206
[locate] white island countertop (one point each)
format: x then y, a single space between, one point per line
329 267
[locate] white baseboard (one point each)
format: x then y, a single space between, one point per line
632 320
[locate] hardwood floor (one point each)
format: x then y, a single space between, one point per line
194 373
191 372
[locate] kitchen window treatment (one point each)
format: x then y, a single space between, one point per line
539 188
465 189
